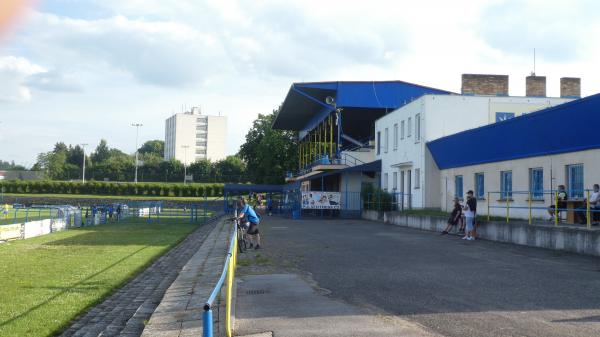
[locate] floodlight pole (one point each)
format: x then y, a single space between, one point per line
83 167
185 147
137 128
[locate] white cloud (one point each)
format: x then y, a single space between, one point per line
14 72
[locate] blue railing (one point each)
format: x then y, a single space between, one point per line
227 274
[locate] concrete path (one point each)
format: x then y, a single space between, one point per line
286 305
125 311
450 286
179 313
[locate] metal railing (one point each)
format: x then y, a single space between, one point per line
227 275
534 205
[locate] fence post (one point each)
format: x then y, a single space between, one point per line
556 211
207 323
488 206
588 215
529 201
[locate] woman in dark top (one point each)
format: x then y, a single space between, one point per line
455 216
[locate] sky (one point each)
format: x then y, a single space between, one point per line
79 71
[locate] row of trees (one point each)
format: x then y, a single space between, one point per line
105 163
264 158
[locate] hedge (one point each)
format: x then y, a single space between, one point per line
112 188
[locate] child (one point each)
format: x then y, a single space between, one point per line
455 216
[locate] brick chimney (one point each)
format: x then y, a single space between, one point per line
570 87
535 86
482 84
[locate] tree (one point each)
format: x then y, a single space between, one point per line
102 152
230 169
269 153
4 165
156 147
202 170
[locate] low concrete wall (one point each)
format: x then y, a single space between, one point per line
570 239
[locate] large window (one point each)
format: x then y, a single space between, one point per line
408 127
536 183
417 178
505 184
378 142
385 181
402 130
417 127
479 186
458 186
385 140
395 182
575 180
395 136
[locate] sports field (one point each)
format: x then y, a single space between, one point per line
19 215
46 281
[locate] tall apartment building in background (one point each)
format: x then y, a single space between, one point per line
191 136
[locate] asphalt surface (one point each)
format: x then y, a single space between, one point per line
452 287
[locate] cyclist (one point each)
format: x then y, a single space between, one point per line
253 219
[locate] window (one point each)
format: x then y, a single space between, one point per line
402 130
479 186
385 141
536 183
417 127
503 116
385 181
417 178
505 184
575 180
395 182
408 127
458 187
395 136
378 142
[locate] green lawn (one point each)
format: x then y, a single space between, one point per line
112 197
48 280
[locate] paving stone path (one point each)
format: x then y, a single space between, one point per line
180 311
126 311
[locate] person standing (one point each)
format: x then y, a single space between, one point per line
470 213
253 219
595 203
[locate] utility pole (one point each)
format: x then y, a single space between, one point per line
185 147
83 169
137 129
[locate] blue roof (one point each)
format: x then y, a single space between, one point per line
304 106
568 127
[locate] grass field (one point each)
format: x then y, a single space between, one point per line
108 197
46 281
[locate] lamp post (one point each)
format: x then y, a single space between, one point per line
184 147
137 129
83 145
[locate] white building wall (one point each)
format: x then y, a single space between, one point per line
204 136
439 116
216 138
554 172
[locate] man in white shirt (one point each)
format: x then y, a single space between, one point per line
595 202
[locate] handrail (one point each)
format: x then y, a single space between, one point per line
227 273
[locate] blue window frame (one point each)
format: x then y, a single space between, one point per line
506 184
536 183
503 116
479 186
458 187
575 180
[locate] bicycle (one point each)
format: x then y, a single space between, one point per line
241 234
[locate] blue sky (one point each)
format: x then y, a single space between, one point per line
78 71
